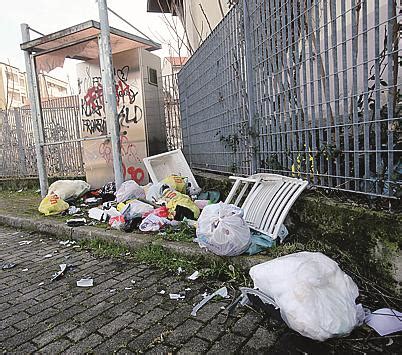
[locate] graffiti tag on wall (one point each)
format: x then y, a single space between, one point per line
129 154
92 103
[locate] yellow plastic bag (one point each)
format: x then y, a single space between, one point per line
178 183
52 204
121 205
174 199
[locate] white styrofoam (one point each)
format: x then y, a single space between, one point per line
170 163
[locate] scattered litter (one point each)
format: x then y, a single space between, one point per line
58 274
113 212
41 284
76 222
20 190
133 282
153 223
48 255
24 269
112 290
194 276
76 246
25 242
98 214
385 321
223 292
73 210
177 296
128 288
93 201
8 266
201 204
67 242
205 294
179 270
187 289
162 292
117 222
85 283
223 307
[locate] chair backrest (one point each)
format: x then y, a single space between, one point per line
268 202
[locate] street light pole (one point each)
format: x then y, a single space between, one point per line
36 114
109 91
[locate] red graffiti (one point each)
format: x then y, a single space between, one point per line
136 174
93 100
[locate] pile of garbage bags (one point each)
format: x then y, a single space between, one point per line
220 227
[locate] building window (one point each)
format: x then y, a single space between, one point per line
152 76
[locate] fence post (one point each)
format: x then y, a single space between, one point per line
109 91
250 86
36 114
21 151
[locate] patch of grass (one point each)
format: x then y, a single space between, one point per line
159 257
104 249
183 233
218 270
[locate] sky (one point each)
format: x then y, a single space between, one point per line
49 16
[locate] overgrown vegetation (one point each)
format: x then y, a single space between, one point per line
157 256
183 233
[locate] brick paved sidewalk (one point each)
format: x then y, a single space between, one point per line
123 312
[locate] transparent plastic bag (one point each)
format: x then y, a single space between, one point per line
129 190
222 230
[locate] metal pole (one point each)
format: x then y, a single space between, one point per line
20 144
250 86
35 113
109 91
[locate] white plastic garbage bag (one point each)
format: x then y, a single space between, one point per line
155 191
128 191
222 230
69 189
134 207
316 298
153 223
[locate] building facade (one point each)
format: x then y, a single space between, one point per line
14 90
198 18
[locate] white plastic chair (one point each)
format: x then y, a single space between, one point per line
268 202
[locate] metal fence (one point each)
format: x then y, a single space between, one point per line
174 138
17 148
307 88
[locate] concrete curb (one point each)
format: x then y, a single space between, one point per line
133 241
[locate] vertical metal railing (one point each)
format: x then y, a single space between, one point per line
174 138
324 90
62 125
